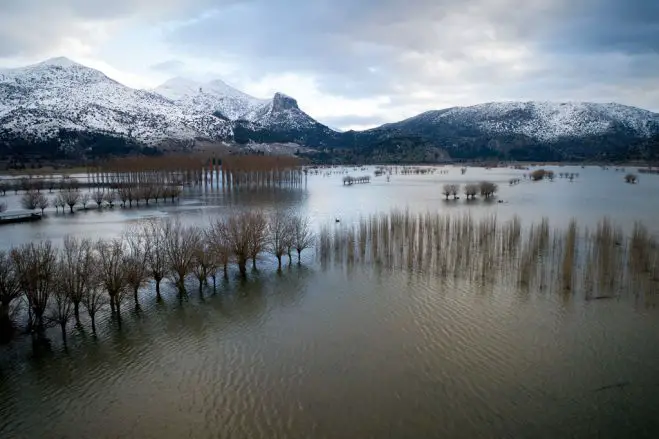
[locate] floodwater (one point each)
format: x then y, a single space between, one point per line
332 351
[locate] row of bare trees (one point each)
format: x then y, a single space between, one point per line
54 284
486 189
126 194
38 184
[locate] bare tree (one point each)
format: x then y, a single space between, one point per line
61 306
471 190
29 199
76 272
3 206
3 187
180 246
203 263
454 190
155 236
123 192
303 237
111 266
59 202
446 191
631 178
220 242
257 225
237 232
137 273
85 198
94 300
71 197
99 197
35 265
278 234
9 291
487 189
42 202
110 197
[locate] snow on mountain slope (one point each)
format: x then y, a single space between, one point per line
542 121
38 100
210 97
283 112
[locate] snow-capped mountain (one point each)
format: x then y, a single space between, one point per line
210 97
60 101
527 130
282 120
37 101
542 121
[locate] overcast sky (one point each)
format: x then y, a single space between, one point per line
356 64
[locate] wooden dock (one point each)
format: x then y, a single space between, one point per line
14 218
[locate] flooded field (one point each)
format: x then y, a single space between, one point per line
467 319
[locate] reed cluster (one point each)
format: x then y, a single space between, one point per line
593 263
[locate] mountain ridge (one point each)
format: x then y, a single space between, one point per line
53 100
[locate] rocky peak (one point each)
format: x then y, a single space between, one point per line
283 102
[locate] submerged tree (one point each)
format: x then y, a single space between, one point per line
71 197
258 234
76 270
42 202
279 234
631 178
220 245
487 189
9 291
238 236
111 270
30 199
446 191
137 271
155 236
303 237
471 189
35 266
61 309
180 245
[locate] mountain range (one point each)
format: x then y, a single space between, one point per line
60 108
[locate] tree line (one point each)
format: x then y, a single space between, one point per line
55 284
486 189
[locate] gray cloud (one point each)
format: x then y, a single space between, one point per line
419 54
390 47
170 66
31 27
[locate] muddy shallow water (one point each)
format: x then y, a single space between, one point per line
352 351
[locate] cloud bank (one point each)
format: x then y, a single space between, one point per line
356 64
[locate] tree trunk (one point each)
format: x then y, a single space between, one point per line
180 284
214 276
135 290
63 326
5 322
278 262
254 262
158 296
290 258
112 303
92 316
71 207
226 271
299 256
201 286
76 312
242 267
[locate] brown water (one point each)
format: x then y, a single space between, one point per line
335 351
